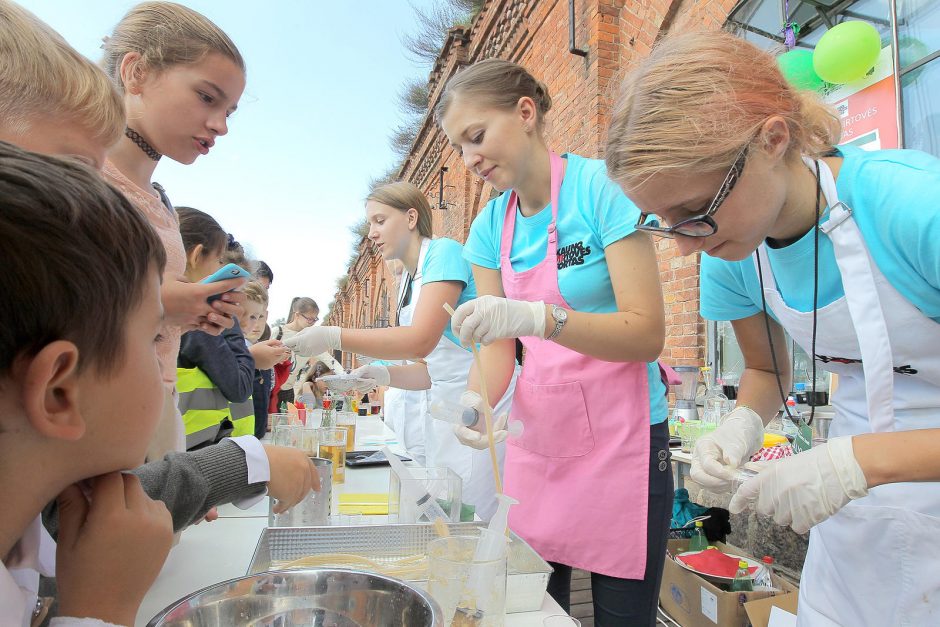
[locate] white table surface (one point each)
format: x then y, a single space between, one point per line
209 553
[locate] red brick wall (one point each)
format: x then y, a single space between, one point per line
534 33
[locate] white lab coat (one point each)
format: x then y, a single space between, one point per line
449 366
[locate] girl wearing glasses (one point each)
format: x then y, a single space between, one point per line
435 273
304 313
559 265
838 247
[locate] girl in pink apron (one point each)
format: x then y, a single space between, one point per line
836 246
591 470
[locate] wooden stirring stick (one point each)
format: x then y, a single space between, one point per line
487 411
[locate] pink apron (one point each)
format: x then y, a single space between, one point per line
580 470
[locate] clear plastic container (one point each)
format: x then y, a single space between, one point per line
442 484
451 563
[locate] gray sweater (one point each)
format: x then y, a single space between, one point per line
190 484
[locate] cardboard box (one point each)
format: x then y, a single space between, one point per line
694 602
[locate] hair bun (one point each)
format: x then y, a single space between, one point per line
543 100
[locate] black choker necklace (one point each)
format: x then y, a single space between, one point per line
135 137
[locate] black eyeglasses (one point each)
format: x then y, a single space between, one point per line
700 225
307 318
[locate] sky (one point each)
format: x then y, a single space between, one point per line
311 129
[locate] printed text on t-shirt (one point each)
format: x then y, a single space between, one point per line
572 255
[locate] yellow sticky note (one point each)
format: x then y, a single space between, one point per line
369 504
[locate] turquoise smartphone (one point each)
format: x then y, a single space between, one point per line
228 271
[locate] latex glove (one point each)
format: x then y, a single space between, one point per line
718 454
806 489
375 373
490 318
315 340
475 439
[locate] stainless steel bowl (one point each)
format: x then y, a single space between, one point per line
335 597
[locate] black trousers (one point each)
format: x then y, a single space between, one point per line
632 602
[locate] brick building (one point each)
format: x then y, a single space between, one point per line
578 49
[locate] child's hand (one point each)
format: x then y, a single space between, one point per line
268 353
186 304
111 549
292 476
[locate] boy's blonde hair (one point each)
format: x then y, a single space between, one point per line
698 100
404 196
165 34
42 76
256 293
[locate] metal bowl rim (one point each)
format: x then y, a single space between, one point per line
436 613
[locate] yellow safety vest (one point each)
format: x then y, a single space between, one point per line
205 408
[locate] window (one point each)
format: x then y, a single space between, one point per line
918 33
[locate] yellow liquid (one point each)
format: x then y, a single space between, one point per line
336 453
350 436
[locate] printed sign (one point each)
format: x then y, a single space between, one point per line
868 108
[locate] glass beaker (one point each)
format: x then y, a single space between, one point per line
310 441
464 586
689 432
333 448
347 420
288 435
278 419
314 509
715 408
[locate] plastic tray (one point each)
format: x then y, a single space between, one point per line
527 577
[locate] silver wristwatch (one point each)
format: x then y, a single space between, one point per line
560 316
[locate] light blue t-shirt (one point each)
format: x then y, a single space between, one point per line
594 214
444 262
895 200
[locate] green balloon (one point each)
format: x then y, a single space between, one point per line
847 52
797 67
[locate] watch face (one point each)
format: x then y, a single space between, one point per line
559 314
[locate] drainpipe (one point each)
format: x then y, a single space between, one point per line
572 48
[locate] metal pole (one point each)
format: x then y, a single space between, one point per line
440 193
896 54
571 45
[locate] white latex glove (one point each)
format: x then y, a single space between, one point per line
315 340
377 374
490 318
806 489
718 454
475 439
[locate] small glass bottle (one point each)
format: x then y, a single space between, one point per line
698 542
743 582
328 419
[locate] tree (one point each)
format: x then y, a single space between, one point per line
425 44
413 97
